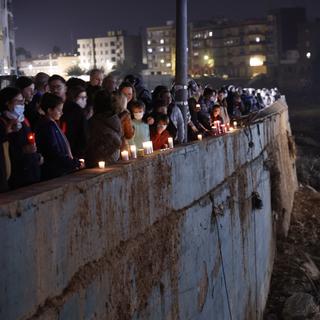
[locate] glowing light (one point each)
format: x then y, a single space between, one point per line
150 50
257 61
149 42
162 41
206 57
210 34
162 61
168 64
258 39
308 55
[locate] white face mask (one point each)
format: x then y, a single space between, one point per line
81 103
138 115
19 111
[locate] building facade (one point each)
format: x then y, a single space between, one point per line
109 51
160 55
229 49
7 42
50 64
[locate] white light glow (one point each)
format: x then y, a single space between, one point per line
257 61
308 55
258 39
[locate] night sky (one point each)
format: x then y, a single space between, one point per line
41 24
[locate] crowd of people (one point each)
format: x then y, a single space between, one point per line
50 127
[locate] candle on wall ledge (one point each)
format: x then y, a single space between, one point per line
214 129
102 164
170 143
133 151
200 137
223 128
228 126
125 155
148 147
235 124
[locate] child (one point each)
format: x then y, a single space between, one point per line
52 143
142 132
159 133
215 115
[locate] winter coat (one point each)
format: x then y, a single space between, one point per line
55 150
159 141
74 124
104 139
25 167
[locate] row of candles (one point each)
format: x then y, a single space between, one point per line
218 128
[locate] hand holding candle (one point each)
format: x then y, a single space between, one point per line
31 138
200 137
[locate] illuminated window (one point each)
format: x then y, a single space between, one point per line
161 49
257 61
150 50
162 61
210 34
258 39
308 55
162 41
149 42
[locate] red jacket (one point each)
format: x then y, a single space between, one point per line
159 140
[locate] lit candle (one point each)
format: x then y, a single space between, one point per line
231 129
133 151
235 124
170 143
214 129
146 148
82 161
31 138
199 137
223 128
125 155
228 126
102 164
151 146
217 124
198 106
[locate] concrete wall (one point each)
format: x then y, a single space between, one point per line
170 236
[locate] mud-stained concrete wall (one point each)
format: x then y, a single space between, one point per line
172 236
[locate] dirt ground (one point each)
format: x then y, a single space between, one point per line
301 245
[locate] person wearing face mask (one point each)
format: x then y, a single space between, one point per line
74 123
159 133
141 132
207 101
24 159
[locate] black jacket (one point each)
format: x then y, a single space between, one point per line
54 149
25 167
75 126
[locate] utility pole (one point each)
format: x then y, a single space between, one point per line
181 92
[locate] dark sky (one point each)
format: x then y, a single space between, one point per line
41 24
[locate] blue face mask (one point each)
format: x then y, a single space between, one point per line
19 111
